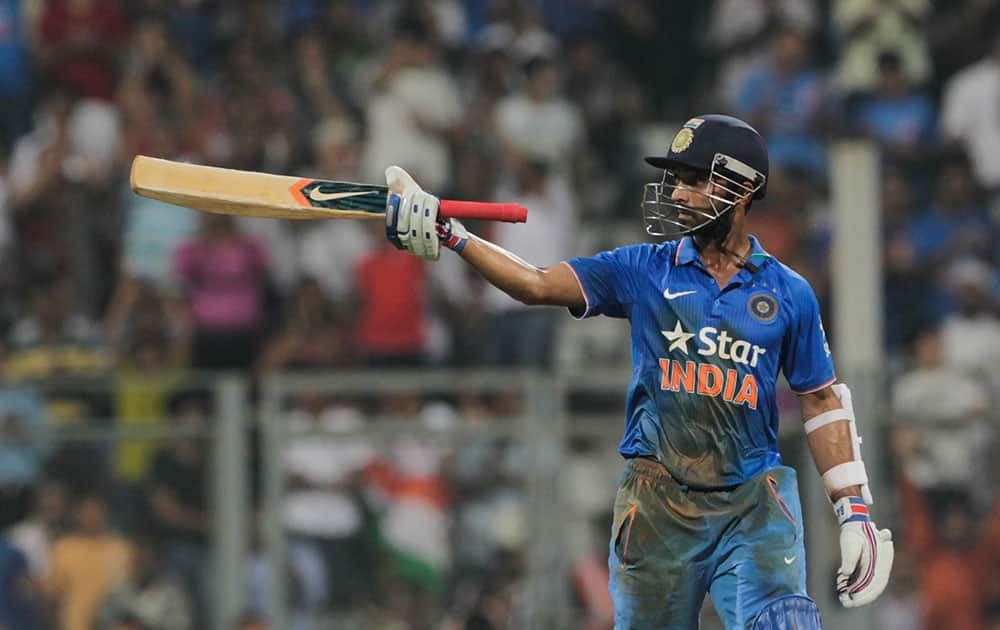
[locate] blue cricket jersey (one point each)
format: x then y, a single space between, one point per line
705 360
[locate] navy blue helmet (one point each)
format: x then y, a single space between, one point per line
728 151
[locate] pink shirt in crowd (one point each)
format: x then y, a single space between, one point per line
224 281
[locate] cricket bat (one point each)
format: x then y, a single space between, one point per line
229 191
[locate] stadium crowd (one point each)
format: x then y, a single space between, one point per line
549 103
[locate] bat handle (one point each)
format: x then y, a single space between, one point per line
509 212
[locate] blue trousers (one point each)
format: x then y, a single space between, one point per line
671 545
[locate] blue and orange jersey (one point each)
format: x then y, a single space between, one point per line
705 359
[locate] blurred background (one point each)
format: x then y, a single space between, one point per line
209 422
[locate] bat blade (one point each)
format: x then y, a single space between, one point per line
248 193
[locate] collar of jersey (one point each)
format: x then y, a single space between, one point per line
687 253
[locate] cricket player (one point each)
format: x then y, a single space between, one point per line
704 504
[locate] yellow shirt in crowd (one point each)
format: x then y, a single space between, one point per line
82 571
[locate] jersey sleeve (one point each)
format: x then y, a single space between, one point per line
805 354
608 281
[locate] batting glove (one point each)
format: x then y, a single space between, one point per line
866 554
411 216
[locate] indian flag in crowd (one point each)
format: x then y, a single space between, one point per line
415 502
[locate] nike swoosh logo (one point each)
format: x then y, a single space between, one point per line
316 195
788 560
667 294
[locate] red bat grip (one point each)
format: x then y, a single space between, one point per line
509 212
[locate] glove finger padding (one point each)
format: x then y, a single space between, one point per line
866 563
423 240
415 217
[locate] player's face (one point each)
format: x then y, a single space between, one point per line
692 188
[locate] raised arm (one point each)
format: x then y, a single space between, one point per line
412 223
555 286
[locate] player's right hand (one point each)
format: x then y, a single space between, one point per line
411 215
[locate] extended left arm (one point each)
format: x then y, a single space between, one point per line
866 552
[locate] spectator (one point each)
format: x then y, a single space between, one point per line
867 28
410 484
24 445
35 534
78 44
957 223
314 335
149 596
306 578
59 173
55 341
86 564
55 337
224 274
786 99
323 508
904 284
969 115
947 409
539 123
971 333
140 315
513 334
18 590
391 290
178 493
413 106
738 33
149 353
958 34
897 117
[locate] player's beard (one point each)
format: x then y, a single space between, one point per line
716 231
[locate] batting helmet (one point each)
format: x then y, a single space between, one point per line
728 150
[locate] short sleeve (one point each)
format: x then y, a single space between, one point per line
805 355
608 280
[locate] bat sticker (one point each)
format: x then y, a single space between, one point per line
317 193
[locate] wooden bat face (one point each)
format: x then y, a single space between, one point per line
228 191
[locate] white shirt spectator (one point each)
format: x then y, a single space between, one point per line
406 123
971 115
326 459
547 130
546 241
34 541
972 343
329 251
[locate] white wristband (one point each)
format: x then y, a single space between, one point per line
845 475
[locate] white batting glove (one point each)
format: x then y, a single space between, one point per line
411 216
866 554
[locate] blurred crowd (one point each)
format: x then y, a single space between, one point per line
549 103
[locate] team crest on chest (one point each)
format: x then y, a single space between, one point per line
763 307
